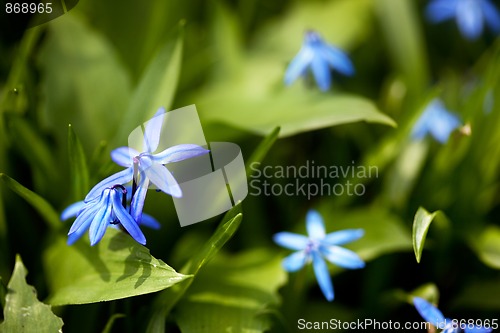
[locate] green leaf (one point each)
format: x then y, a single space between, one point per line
117 267
156 88
428 291
232 294
23 312
487 246
111 321
167 299
421 224
261 151
78 165
480 295
46 211
84 82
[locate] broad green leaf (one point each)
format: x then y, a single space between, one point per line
400 25
37 202
487 246
156 88
111 321
232 294
262 149
169 298
117 267
480 295
23 312
78 165
332 19
421 224
384 232
83 81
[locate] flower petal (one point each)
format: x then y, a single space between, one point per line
469 19
294 261
321 72
163 179
72 210
126 220
85 216
179 153
314 224
338 60
323 276
291 241
441 10
149 221
137 203
152 131
342 257
101 220
343 236
491 15
429 312
298 65
118 178
124 156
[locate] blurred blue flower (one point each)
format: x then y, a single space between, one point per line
432 315
436 121
319 56
145 167
102 211
471 15
317 245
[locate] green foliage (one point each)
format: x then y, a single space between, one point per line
78 165
117 267
23 312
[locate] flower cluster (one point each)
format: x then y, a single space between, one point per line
318 245
106 203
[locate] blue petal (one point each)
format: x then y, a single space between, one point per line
163 179
126 220
149 221
444 123
343 236
441 10
118 178
137 203
101 220
323 276
477 329
298 65
152 131
491 15
179 153
291 241
338 60
321 72
342 257
72 210
86 215
429 312
124 156
314 225
294 261
469 19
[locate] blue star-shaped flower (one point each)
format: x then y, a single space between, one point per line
319 56
436 121
97 214
317 245
146 167
432 315
471 15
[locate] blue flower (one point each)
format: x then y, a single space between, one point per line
432 315
317 245
471 15
436 121
146 167
102 211
319 56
